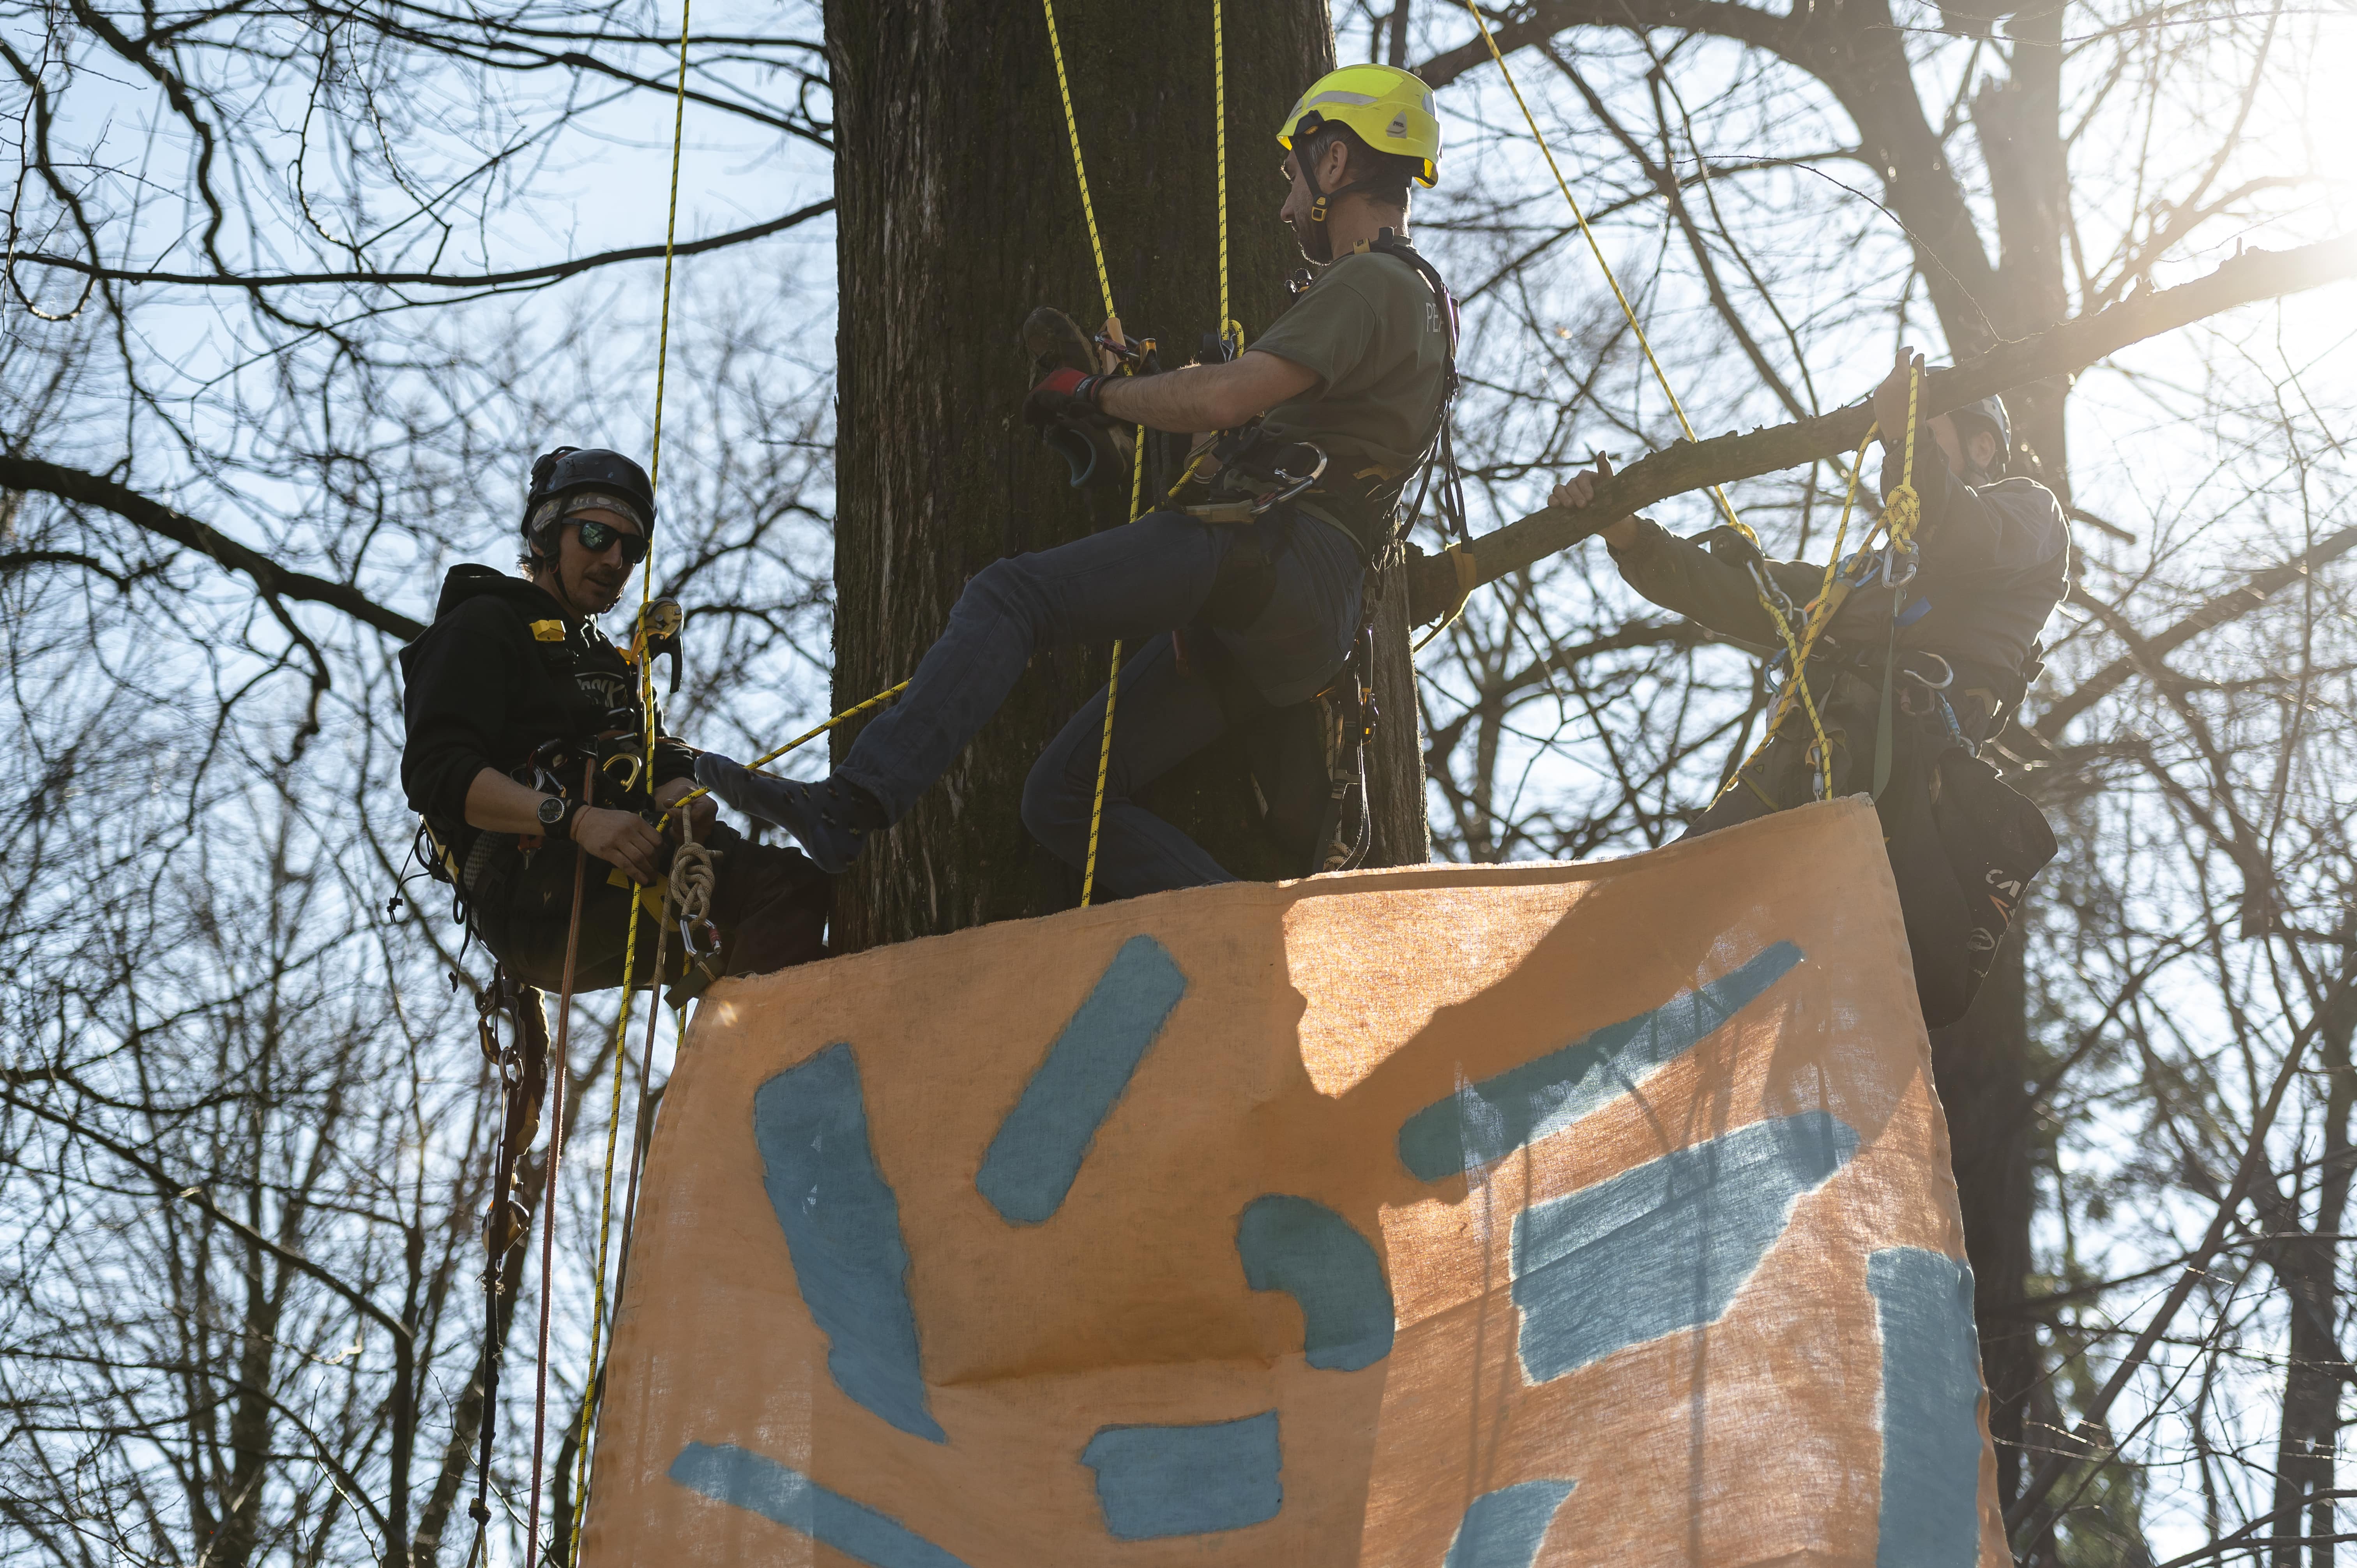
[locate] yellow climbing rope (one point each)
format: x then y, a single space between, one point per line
630 940
1072 129
1230 330
1820 611
1903 509
812 734
1760 583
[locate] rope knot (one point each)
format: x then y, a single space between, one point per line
691 881
1903 510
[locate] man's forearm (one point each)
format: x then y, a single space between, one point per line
1682 577
1205 397
500 805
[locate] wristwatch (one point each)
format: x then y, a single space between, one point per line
556 815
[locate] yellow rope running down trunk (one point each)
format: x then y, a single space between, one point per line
1104 286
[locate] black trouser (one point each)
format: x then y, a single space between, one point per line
769 902
1932 859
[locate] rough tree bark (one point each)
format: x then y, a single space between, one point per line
958 213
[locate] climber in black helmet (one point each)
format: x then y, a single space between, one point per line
511 691
1957 631
1250 600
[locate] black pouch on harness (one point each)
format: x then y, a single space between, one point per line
1964 847
1246 579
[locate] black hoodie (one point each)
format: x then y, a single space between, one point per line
498 673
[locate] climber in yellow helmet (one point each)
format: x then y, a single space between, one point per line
1245 595
1388 113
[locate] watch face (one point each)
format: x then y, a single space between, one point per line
552 811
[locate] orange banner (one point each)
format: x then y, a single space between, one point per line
1452 1216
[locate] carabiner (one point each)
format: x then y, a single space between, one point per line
1889 581
1291 484
632 763
1768 589
1947 672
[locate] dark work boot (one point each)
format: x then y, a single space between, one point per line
828 818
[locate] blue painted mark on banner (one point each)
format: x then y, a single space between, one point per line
1314 1255
1665 1246
1032 1162
1154 1481
742 1479
1930 1409
842 1230
1526 1104
1504 1528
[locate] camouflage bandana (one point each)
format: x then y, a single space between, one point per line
557 509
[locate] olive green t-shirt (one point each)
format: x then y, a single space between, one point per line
1370 330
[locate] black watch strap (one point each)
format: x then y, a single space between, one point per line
565 823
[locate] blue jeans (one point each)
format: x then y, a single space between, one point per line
1138 582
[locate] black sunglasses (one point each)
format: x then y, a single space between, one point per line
598 537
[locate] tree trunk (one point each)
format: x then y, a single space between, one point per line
2307 1261
958 213
1982 1066
1985 1064
2019 124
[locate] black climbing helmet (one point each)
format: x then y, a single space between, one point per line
1988 414
576 478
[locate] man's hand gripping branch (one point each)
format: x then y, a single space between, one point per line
1575 493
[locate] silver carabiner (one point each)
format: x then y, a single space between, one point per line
1947 672
1293 485
1770 590
1889 581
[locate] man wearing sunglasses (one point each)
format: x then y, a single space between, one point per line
513 693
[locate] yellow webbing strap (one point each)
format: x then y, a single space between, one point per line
1469 577
1775 612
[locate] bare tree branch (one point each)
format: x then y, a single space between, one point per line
551 273
1722 459
273 580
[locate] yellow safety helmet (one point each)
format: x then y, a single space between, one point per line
1389 108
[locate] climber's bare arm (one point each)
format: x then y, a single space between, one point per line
1206 397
